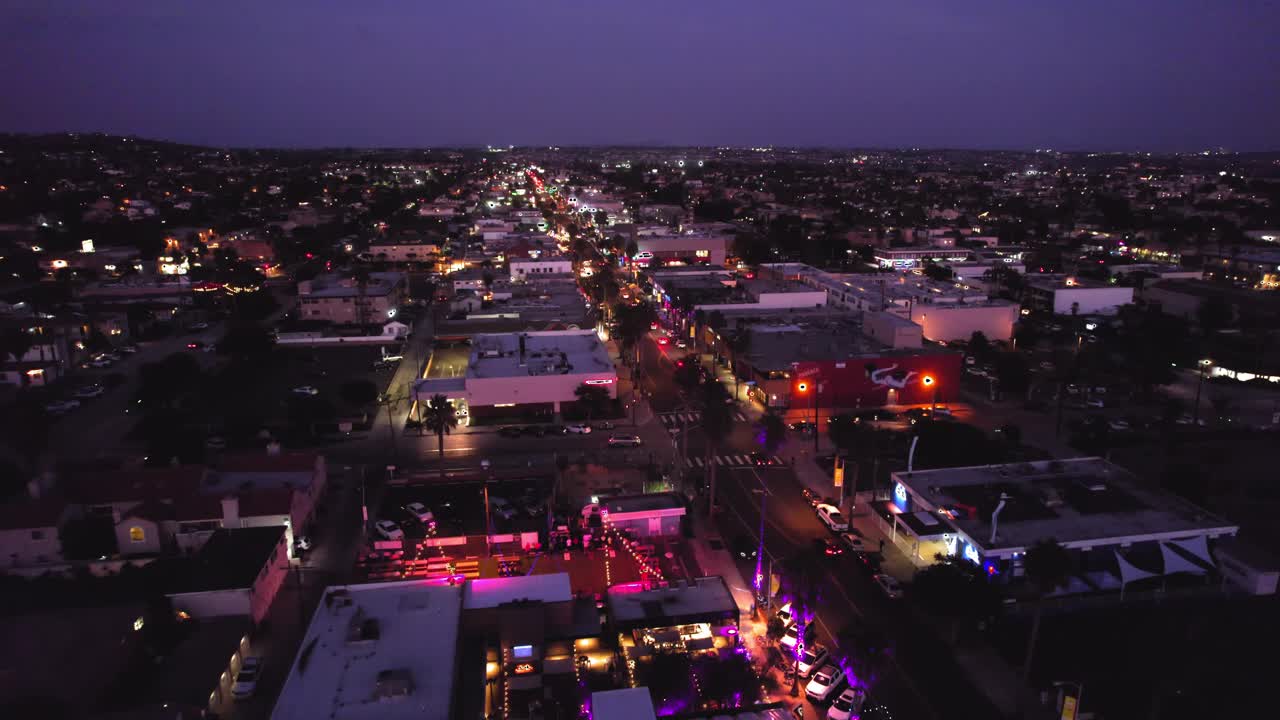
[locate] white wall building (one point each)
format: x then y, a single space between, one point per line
522 269
527 369
1063 295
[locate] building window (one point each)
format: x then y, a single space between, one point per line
137 534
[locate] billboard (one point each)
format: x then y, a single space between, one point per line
880 380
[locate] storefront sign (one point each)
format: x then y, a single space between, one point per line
900 497
971 554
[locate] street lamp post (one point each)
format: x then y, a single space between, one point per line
803 388
929 381
1203 366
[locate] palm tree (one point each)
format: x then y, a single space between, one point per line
440 418
802 580
361 276
717 422
771 432
1047 567
591 397
739 345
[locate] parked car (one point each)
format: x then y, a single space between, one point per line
831 516
890 586
853 542
420 513
1119 425
534 430
502 508
58 407
803 427
578 428
624 440
88 392
247 679
1095 403
195 345
815 656
849 705
510 431
604 425
824 683
128 349
306 390
791 636
828 547
388 530
215 442
200 326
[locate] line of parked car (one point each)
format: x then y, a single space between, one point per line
827 679
849 539
515 431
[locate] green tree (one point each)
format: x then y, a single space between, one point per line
979 346
771 432
1047 567
802 583
1214 314
358 393
441 418
717 423
247 343
591 398
955 590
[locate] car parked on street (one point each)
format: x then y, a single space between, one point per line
831 516
889 585
824 683
578 428
815 656
57 407
388 530
510 431
849 705
88 392
306 390
420 513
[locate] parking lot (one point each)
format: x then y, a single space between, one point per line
516 505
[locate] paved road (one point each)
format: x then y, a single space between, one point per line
923 680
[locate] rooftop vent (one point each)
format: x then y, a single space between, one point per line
393 685
363 629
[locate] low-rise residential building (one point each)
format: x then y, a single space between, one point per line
349 301
682 249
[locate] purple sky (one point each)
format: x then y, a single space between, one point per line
1078 74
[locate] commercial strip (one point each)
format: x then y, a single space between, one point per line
454 647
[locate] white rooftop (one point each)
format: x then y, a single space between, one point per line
624 704
706 596
384 651
1084 502
556 352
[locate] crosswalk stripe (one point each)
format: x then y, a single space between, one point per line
742 459
698 460
720 460
777 460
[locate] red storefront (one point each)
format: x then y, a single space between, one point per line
890 379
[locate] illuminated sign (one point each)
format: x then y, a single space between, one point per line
951 541
523 669
971 554
522 651
900 497
605 381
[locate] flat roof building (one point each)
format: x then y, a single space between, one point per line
384 651
346 301
1068 295
531 369
992 514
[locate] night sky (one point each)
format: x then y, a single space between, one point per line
1078 74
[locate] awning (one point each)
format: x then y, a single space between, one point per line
1130 572
665 636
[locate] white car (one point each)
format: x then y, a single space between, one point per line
1119 425
815 656
824 683
420 511
831 517
306 390
579 428
247 679
622 440
502 508
791 636
891 587
848 705
389 530
62 406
